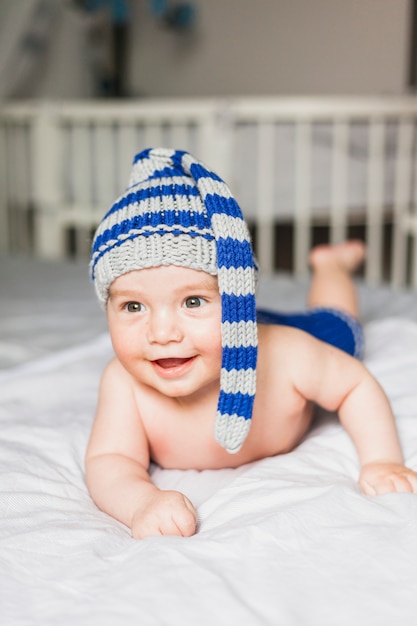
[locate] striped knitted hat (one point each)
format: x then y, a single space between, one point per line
177 212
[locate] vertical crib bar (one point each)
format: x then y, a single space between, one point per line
413 277
22 195
338 210
265 197
46 160
80 164
127 148
81 185
13 163
178 136
153 135
302 221
375 201
103 164
402 193
411 229
205 131
215 140
4 206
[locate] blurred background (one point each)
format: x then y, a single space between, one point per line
54 49
85 84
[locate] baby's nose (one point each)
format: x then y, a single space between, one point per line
164 327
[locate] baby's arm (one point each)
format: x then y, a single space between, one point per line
117 459
338 382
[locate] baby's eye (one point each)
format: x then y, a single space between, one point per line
134 307
193 302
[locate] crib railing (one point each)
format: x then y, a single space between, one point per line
377 117
298 161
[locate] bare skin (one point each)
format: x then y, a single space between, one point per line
158 396
331 284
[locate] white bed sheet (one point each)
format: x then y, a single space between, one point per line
286 540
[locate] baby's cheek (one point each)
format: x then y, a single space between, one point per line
216 350
126 348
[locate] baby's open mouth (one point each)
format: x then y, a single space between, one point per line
172 362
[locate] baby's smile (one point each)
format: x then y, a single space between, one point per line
172 365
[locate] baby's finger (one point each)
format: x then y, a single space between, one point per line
384 486
401 484
412 479
166 527
185 521
367 488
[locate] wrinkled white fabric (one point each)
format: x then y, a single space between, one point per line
286 540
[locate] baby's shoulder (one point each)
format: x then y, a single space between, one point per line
113 368
115 376
118 382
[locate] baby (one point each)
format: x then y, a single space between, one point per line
200 378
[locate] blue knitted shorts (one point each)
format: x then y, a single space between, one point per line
329 325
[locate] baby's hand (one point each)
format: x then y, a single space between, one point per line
166 513
379 478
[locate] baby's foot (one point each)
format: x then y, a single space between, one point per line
350 255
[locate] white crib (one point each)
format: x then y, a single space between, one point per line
296 165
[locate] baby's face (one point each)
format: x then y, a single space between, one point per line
165 325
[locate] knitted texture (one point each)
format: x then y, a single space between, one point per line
177 212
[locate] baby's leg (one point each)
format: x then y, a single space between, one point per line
332 268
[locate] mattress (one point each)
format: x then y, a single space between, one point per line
285 540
